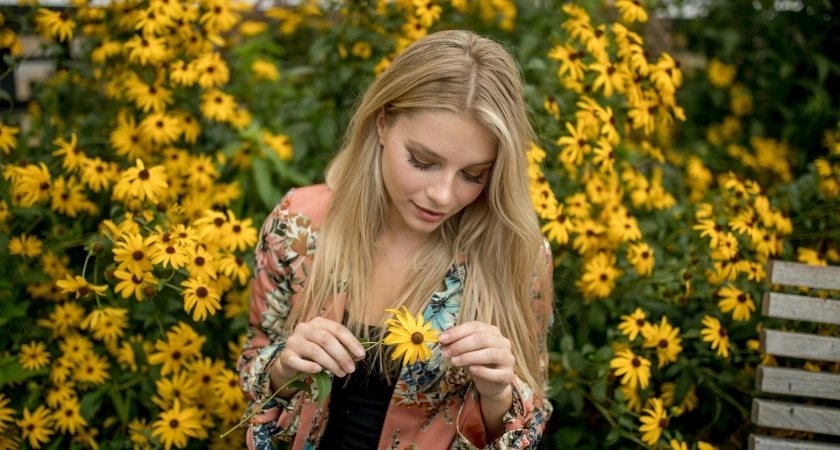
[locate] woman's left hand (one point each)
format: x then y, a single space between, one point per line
485 352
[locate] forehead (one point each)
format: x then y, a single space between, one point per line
457 138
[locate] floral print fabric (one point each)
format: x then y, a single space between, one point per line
445 415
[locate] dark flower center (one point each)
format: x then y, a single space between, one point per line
416 338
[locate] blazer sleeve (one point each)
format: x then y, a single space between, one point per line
270 306
526 419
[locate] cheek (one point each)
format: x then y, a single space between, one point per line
468 194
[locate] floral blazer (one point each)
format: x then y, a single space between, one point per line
447 416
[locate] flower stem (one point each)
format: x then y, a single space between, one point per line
84 268
248 417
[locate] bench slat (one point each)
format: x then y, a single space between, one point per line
794 416
798 307
759 442
799 345
783 380
800 274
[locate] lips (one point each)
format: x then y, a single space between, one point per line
429 210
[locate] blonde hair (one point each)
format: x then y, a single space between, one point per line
461 72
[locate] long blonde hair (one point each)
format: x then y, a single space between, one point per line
462 72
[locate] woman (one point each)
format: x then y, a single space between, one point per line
427 207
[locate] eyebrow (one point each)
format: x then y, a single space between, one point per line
437 155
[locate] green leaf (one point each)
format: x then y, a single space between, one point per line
265 189
11 312
120 404
4 95
11 371
322 380
599 390
91 402
302 386
577 401
823 65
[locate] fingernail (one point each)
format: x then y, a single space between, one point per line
360 351
341 373
350 368
446 353
456 360
318 369
444 337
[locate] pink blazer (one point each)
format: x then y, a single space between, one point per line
448 416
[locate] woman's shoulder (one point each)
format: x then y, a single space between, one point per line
309 201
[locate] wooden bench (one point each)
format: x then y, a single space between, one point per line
798 382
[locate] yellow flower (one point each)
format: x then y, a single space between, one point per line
705 446
654 419
8 141
35 426
79 286
690 400
410 336
677 445
202 296
133 252
599 274
558 229
721 75
633 324
641 256
146 50
67 417
6 414
427 12
34 355
664 338
631 11
212 70
634 369
717 335
574 146
736 300
141 183
218 106
55 23
177 425
28 246
264 70
133 284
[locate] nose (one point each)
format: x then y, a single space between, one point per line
441 191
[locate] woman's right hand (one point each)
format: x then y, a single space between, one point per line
317 345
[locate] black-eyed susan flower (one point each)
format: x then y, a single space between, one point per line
127 139
664 338
632 399
202 263
97 174
736 301
92 369
427 11
631 325
410 335
558 229
574 146
145 50
34 355
212 70
706 446
132 252
67 417
599 274
690 400
240 234
133 284
179 386
141 183
55 24
73 156
717 335
654 419
200 297
161 128
631 11
170 254
677 445
79 286
641 257
721 75
36 426
235 267
634 370
25 245
8 141
177 425
138 429
218 106
264 70
6 414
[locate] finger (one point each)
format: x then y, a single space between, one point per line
501 376
474 342
344 336
295 362
495 357
465 329
328 342
320 356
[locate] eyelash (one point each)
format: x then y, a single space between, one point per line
417 164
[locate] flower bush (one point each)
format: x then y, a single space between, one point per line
130 201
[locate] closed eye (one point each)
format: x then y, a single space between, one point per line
424 167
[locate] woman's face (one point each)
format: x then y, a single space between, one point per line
433 164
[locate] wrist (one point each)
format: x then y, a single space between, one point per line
505 395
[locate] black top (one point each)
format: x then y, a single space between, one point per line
357 411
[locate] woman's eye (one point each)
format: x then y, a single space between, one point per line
413 161
473 179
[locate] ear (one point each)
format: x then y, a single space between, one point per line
381 124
